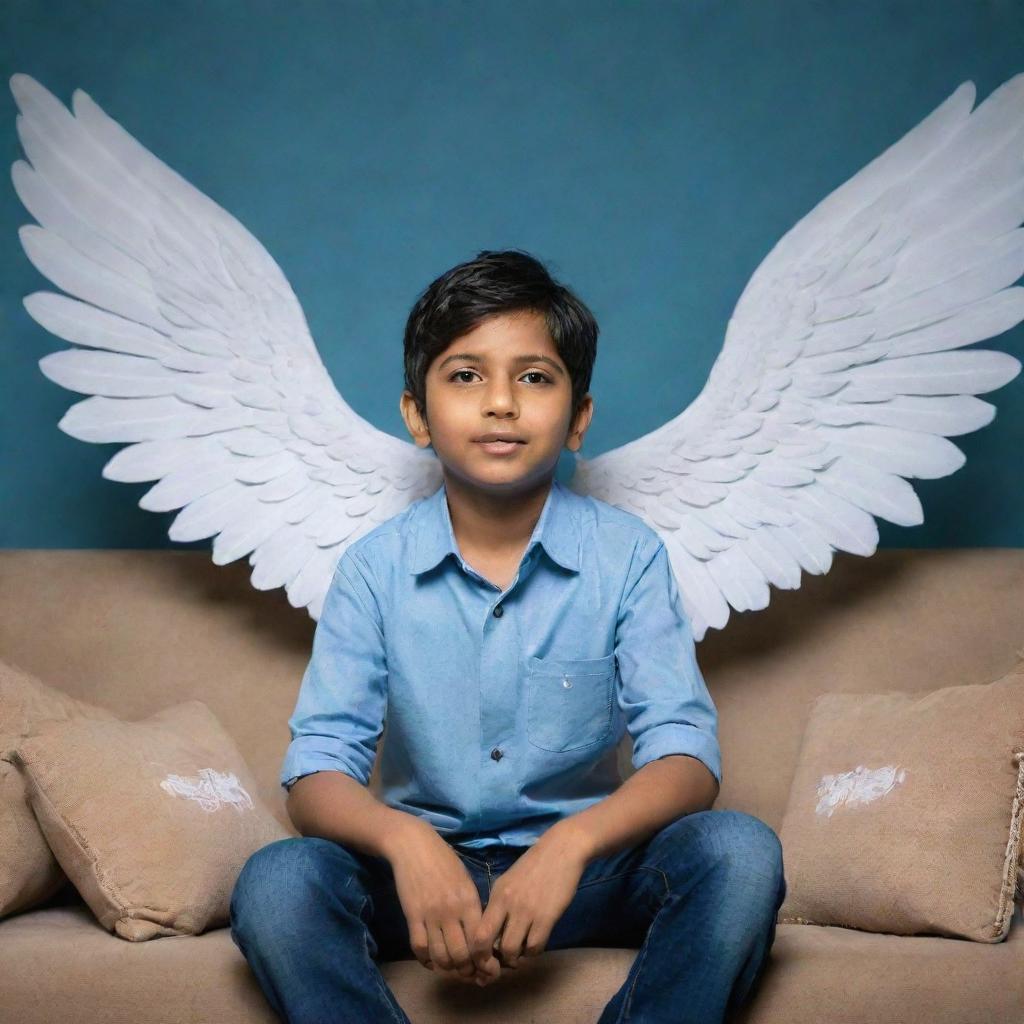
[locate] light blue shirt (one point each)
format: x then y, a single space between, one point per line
504 709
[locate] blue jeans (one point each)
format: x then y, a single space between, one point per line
699 900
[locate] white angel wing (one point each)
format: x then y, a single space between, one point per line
198 354
837 377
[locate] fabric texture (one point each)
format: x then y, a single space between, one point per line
29 872
151 820
905 811
127 628
711 873
503 708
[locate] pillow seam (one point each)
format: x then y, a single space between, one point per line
84 847
1006 894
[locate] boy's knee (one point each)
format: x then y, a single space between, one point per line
275 876
757 841
729 836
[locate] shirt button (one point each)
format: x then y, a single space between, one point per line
496 754
498 611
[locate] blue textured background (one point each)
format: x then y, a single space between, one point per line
650 153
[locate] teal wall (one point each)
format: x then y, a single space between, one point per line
651 153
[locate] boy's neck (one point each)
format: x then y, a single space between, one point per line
494 524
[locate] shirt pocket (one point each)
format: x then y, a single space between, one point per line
569 701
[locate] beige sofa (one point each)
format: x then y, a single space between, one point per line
138 630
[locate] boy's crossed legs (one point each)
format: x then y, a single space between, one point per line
699 900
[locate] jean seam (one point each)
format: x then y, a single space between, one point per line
621 874
628 1003
395 1015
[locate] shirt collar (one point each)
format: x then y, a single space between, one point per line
556 530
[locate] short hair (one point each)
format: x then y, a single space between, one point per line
493 283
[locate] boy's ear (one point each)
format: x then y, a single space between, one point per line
581 423
414 422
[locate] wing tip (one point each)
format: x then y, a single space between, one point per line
27 233
968 88
81 101
25 88
1007 368
20 84
46 369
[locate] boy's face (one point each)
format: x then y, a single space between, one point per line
506 388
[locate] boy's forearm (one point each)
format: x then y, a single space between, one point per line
333 805
651 798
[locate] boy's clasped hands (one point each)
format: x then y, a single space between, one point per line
451 934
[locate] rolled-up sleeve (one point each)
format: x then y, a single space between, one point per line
662 692
342 702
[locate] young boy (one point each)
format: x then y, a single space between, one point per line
509 631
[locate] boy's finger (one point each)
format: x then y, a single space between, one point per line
488 971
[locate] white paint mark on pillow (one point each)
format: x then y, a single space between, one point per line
861 786
210 789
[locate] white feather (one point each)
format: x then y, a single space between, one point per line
838 370
839 375
197 354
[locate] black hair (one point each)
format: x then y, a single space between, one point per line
492 283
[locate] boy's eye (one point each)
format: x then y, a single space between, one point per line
532 373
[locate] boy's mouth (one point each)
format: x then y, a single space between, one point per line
500 444
498 435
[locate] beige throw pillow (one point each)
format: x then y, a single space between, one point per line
152 820
29 873
904 815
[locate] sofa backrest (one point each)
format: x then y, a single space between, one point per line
137 631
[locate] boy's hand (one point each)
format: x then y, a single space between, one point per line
441 905
529 898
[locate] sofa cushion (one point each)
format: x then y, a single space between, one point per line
903 619
29 873
905 811
91 978
151 820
